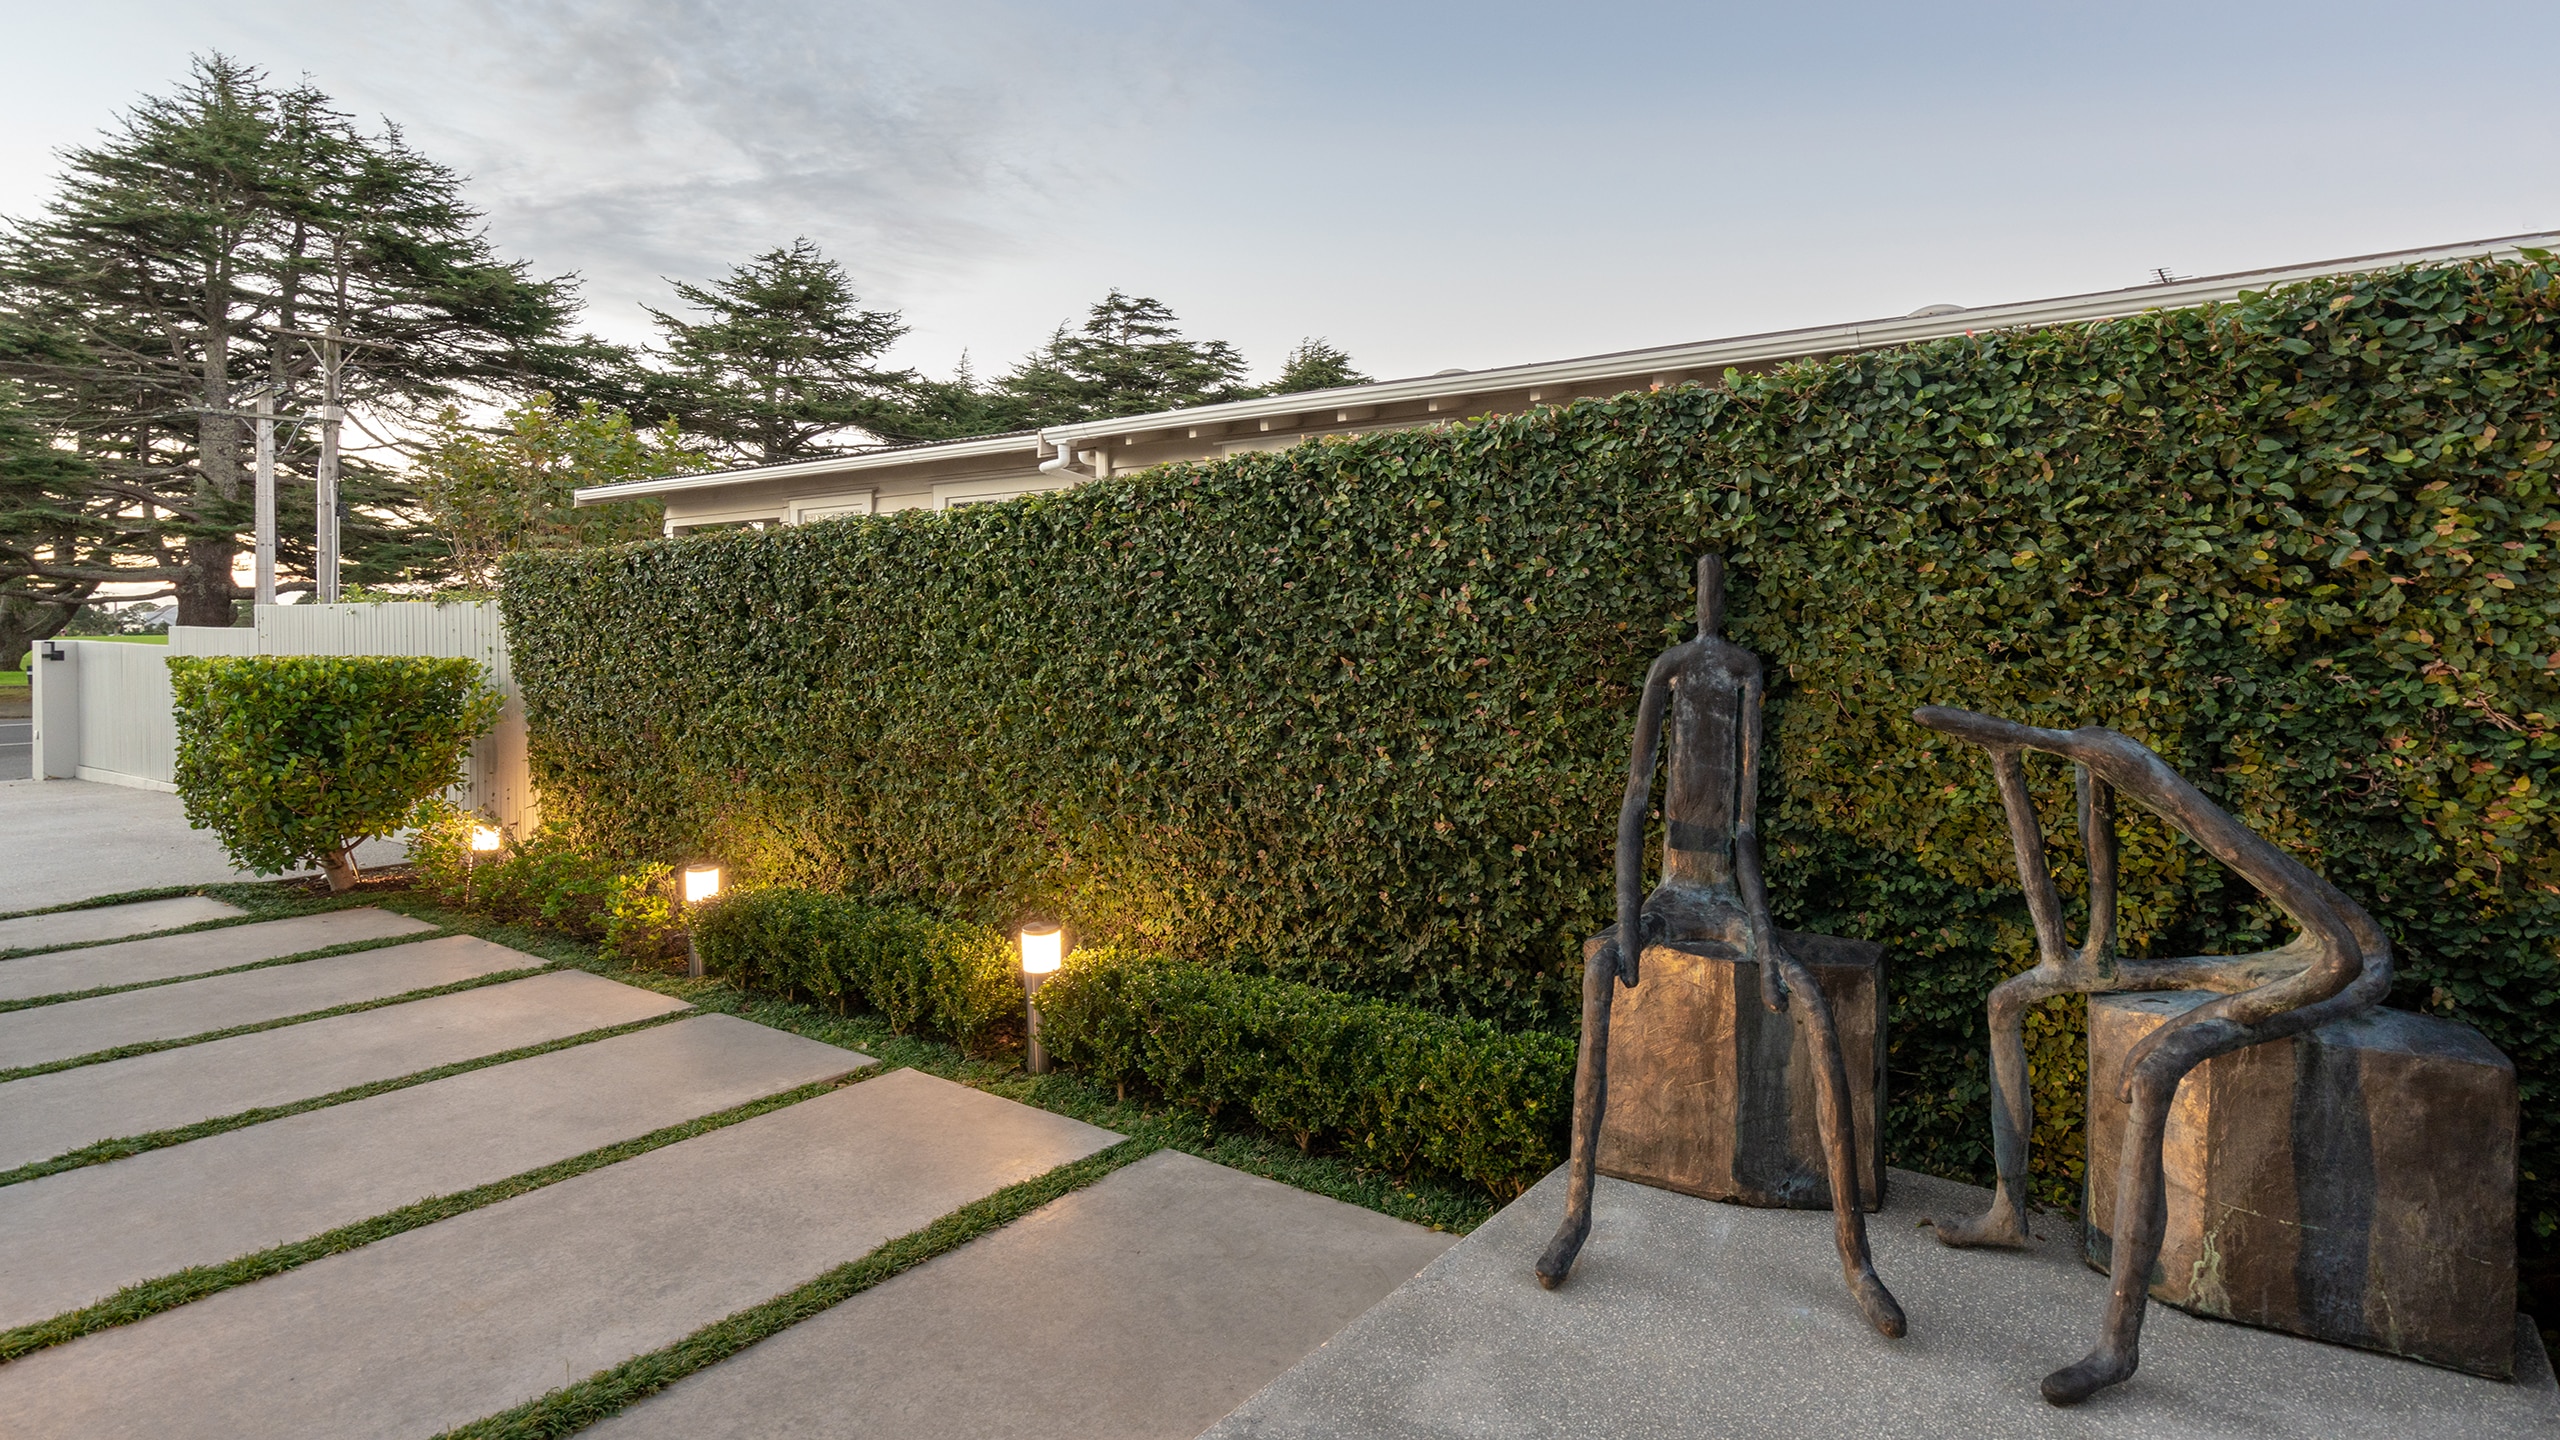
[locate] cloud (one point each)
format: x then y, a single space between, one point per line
646 138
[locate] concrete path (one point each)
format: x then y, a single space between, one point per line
168 957
441 1326
17 745
46 1115
1687 1318
109 922
71 1239
45 1033
1145 1307
70 839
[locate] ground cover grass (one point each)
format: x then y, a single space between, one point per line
575 1407
117 1149
1456 1207
146 1298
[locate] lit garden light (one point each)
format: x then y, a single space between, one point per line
487 840
701 883
1044 949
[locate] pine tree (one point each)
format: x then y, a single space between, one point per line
165 284
1129 358
781 365
49 516
1317 364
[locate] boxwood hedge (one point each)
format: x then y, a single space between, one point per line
1355 710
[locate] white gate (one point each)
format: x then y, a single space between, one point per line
102 710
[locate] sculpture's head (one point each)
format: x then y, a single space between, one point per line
1710 595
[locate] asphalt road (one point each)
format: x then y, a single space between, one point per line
17 749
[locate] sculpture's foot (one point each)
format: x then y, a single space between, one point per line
1997 1228
2074 1383
1557 1263
1878 1303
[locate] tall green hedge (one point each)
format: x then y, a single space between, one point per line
1357 710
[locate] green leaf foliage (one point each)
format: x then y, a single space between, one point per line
1355 713
935 977
546 879
292 759
1395 1086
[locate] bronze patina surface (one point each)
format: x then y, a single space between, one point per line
2337 966
1712 903
1712 1094
2355 1183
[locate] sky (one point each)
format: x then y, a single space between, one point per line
1426 185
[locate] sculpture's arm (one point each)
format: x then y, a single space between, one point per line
1746 851
1631 814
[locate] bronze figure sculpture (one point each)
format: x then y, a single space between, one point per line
2338 965
1711 894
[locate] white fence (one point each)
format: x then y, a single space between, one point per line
102 710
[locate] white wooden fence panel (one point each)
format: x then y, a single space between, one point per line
127 736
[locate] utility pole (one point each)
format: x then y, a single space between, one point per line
330 414
267 496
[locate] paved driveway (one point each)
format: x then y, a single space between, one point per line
71 839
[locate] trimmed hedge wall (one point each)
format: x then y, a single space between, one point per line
954 981
1355 711
1395 1085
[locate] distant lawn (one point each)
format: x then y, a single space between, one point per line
17 679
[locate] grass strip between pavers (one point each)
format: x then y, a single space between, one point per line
146 1298
117 1149
263 899
575 1407
180 1042
221 922
352 947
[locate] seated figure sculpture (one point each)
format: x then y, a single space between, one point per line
1711 894
2338 965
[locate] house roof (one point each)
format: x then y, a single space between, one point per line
1708 356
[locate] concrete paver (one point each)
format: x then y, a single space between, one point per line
219 1002
72 1239
442 1325
1687 1317
1146 1306
47 1115
108 922
71 839
168 957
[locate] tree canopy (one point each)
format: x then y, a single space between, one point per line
492 492
778 362
183 265
1128 358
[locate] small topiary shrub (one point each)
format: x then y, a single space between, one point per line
546 879
935 977
294 759
1393 1084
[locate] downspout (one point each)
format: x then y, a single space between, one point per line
1064 462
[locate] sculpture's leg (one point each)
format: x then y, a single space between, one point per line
1590 1103
2142 1217
1840 1150
2012 1116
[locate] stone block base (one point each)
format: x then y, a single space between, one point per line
1710 1094
2355 1185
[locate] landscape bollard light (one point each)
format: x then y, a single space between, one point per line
1044 949
486 840
701 882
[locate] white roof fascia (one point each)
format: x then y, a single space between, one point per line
1716 355
833 465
